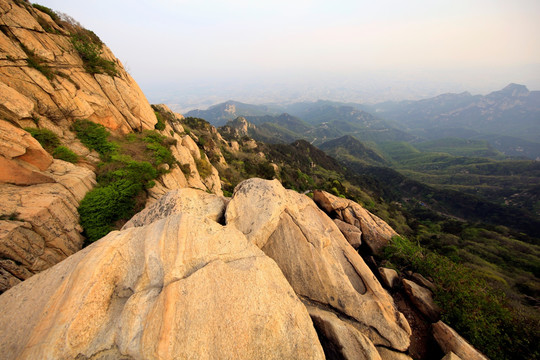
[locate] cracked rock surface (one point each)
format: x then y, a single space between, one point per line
180 286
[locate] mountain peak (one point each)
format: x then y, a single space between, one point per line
514 90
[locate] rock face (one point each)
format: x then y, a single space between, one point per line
322 267
450 341
375 232
70 92
180 286
39 224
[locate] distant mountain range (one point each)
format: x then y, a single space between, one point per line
508 119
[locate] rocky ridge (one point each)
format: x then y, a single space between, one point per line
45 84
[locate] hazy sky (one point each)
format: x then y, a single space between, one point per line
478 44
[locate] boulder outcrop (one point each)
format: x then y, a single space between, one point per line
39 224
375 232
180 286
322 267
66 90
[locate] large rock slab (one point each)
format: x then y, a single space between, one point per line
181 287
318 262
375 232
450 341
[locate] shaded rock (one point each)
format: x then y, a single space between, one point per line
423 300
341 340
420 280
318 262
375 232
387 354
451 356
389 277
182 287
351 233
450 341
191 201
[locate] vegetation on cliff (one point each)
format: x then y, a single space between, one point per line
129 165
50 142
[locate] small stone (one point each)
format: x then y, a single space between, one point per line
389 277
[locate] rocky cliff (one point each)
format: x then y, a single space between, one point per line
53 72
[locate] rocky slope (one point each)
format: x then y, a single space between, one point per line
264 275
46 83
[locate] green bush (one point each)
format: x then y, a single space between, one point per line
64 153
48 140
122 167
160 125
90 48
47 11
95 137
103 206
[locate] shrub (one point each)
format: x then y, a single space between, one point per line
103 206
64 153
160 125
124 168
47 11
95 137
90 48
48 140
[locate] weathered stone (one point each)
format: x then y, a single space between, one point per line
420 280
375 232
423 300
351 233
450 341
181 287
389 277
191 201
15 172
42 226
451 356
17 144
341 340
315 258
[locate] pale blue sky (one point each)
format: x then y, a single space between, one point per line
479 43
